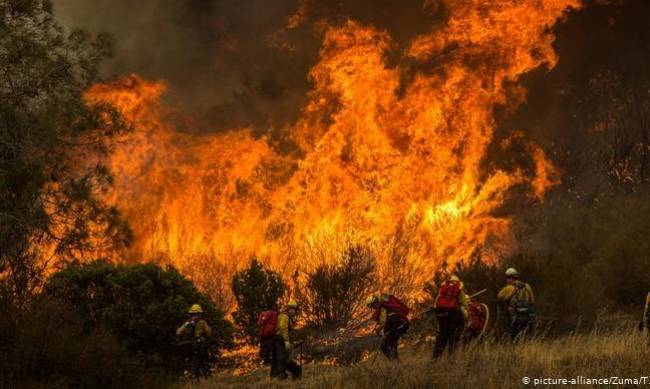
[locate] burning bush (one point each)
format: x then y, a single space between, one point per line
332 293
256 289
140 305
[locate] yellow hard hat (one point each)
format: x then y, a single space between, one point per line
196 308
454 278
371 300
292 304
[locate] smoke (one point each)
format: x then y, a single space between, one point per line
230 63
608 36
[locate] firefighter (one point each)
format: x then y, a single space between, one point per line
196 332
281 345
451 309
391 316
477 321
519 300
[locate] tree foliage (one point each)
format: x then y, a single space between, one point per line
256 289
48 136
141 305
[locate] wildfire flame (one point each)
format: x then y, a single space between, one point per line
377 159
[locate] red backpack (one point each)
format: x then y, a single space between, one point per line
449 295
395 305
478 316
267 321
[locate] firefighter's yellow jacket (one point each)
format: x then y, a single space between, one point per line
508 292
284 326
201 328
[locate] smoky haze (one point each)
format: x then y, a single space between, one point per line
231 63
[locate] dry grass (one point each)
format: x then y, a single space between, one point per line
622 353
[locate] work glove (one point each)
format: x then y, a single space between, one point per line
287 345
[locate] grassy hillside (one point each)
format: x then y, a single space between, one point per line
600 354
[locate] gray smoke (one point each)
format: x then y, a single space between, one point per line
230 63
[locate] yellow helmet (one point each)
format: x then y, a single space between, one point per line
454 278
292 304
196 308
371 300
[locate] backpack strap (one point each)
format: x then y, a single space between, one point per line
518 287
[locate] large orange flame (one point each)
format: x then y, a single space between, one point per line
381 161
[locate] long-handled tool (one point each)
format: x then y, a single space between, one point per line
376 351
480 292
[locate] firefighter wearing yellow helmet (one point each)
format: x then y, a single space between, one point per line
519 300
195 326
194 334
391 316
281 345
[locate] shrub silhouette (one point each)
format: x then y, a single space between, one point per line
45 345
256 289
141 305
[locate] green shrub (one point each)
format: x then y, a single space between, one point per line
256 289
141 305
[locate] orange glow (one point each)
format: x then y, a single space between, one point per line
373 162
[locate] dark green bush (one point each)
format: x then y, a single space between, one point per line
256 289
48 347
141 305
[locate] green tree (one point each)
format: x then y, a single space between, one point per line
256 289
141 305
49 208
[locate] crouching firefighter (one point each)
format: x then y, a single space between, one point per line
520 302
195 334
391 316
451 309
275 340
478 319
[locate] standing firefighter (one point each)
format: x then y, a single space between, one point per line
520 302
267 322
275 332
391 316
195 334
451 307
